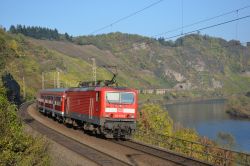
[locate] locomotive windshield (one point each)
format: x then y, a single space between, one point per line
120 97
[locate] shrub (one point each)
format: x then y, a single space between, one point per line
16 147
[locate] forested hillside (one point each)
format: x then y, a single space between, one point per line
191 63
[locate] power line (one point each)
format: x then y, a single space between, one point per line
202 21
173 30
207 27
189 25
198 22
196 30
126 17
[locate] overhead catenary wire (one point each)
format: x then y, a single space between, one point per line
183 26
193 31
208 27
195 23
202 21
126 17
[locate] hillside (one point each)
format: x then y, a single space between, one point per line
193 62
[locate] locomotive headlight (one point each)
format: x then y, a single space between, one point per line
109 115
130 116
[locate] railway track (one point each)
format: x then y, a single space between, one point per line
101 158
98 157
162 153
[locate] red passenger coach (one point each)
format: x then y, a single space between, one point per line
52 101
110 111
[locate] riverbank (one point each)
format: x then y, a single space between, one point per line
194 101
235 113
238 106
164 102
210 119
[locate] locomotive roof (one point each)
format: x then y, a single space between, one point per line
82 89
55 90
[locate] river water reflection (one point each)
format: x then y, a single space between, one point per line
208 118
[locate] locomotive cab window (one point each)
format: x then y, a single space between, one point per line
127 98
113 97
120 97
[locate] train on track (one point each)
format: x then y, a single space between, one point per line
106 110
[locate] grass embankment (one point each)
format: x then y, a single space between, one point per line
155 127
238 106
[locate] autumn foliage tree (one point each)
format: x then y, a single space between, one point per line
16 147
154 126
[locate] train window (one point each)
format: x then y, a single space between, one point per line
50 99
58 101
120 97
127 98
113 97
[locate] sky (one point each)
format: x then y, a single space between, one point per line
82 17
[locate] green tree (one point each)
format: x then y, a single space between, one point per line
16 147
67 37
155 120
12 29
36 32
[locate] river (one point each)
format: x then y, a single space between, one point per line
209 118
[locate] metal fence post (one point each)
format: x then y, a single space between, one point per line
225 159
207 152
246 160
191 150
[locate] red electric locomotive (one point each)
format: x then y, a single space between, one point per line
107 110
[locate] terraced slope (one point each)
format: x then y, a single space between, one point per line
194 62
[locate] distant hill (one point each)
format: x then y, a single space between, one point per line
191 62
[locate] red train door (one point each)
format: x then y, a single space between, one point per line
94 101
67 105
91 107
92 104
